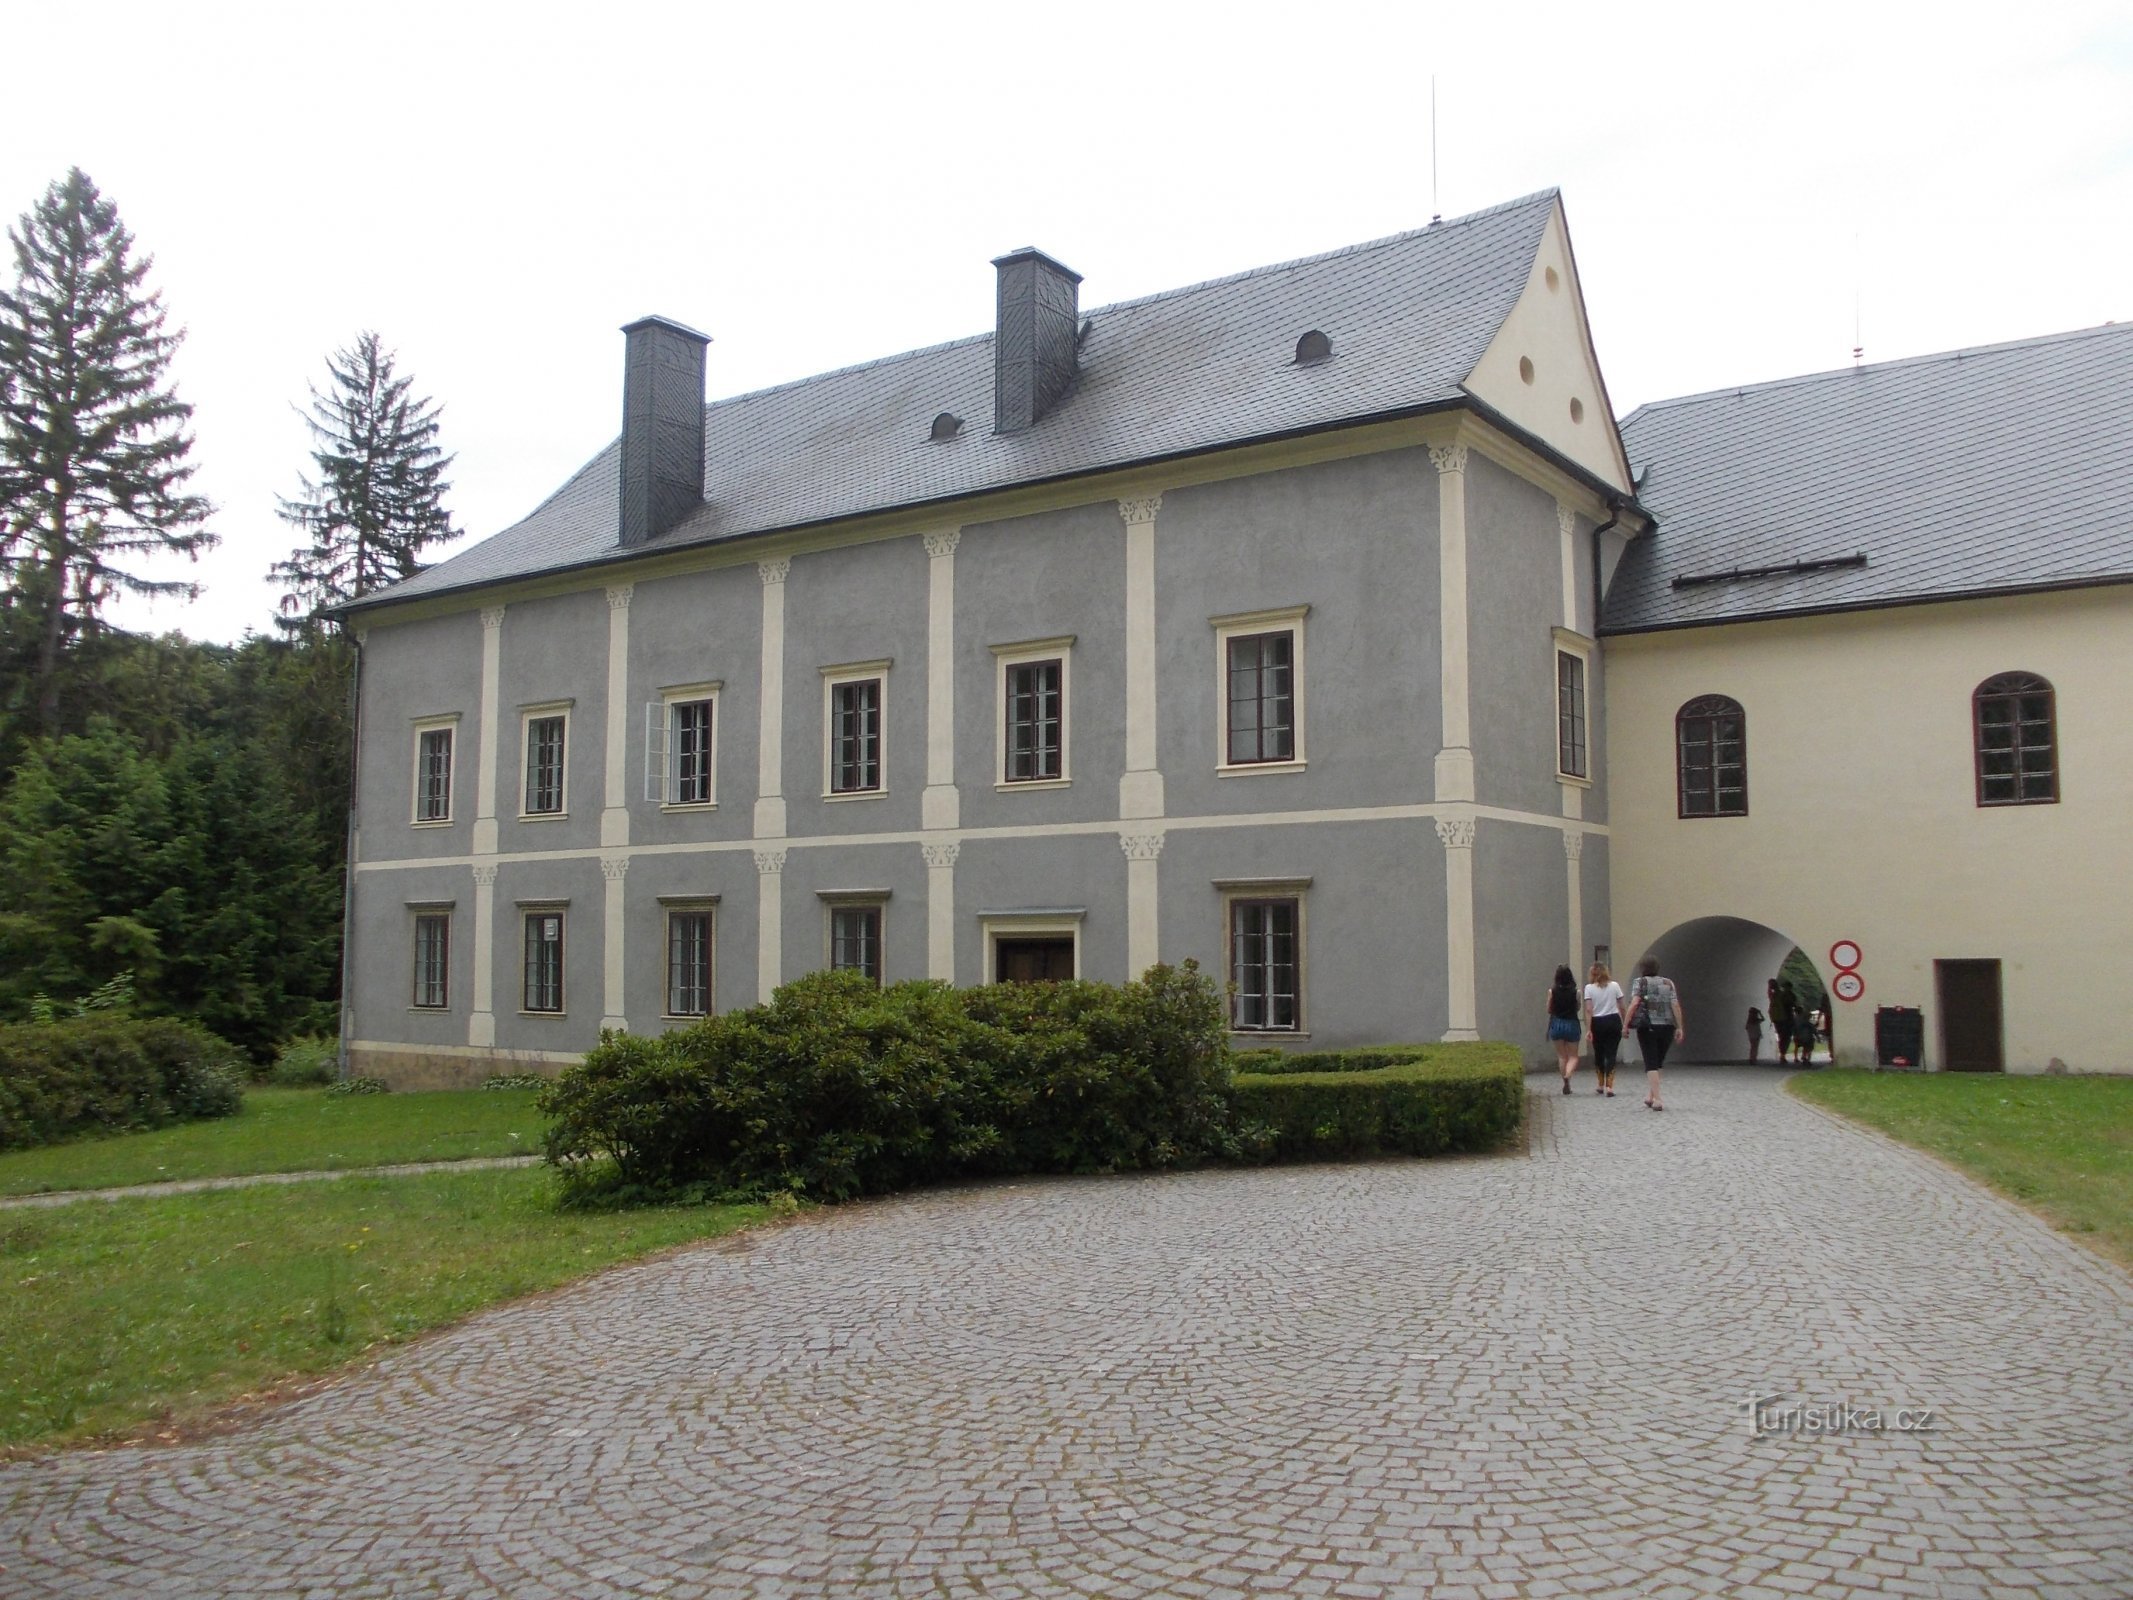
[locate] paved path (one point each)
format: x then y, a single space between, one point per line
1520 1376
150 1191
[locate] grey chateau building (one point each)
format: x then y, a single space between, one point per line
1251 622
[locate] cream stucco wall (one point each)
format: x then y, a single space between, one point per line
1863 822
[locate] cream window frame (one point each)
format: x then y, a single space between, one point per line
1232 890
854 672
1038 923
836 900
560 910
1244 624
448 723
417 910
1566 642
527 716
1027 653
688 905
686 694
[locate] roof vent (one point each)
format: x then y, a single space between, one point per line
1034 343
946 426
1313 348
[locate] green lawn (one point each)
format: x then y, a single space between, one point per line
291 1130
2062 1146
117 1316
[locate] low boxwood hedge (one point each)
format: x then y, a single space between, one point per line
110 1073
1416 1100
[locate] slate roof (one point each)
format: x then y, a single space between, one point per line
1183 371
2006 467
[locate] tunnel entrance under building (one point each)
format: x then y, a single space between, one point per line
1722 966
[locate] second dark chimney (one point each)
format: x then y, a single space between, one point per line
662 426
1034 341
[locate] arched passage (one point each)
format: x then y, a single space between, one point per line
1722 966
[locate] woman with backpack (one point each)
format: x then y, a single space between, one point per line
1564 1030
1655 1012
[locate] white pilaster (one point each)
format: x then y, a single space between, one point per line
481 1021
1457 835
940 806
615 816
1574 878
1566 523
1455 760
1140 787
1143 928
940 909
770 716
613 1005
492 665
769 921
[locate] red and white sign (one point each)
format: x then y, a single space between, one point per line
1847 986
1844 955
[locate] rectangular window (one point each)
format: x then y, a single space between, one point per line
689 963
1570 714
544 764
1262 702
433 775
855 940
855 736
544 961
1265 965
433 959
1036 721
689 752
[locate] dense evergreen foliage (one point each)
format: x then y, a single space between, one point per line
378 498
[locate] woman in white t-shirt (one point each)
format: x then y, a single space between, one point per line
1603 1024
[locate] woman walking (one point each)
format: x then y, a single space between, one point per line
1603 1021
1563 1029
1655 1012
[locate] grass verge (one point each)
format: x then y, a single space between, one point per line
291 1130
139 1316
2061 1146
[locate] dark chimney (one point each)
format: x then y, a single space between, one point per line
1034 342
662 426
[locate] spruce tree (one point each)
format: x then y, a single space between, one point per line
378 498
93 441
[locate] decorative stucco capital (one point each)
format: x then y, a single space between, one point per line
492 617
1573 844
616 867
942 545
769 861
942 855
1448 457
1566 520
618 596
1141 509
1456 833
774 571
485 875
1141 846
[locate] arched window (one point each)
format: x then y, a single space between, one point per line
2017 741
1313 348
1711 757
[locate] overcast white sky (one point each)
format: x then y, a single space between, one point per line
496 189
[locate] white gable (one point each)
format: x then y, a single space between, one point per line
1539 371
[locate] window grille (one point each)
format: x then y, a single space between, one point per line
1262 701
544 765
688 963
433 947
544 961
689 753
1711 760
1570 714
1036 721
855 940
433 791
1264 966
2017 741
855 736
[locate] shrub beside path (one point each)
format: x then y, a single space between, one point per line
1516 1374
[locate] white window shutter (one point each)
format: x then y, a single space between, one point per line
655 752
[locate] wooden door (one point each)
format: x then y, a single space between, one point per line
1970 1036
1034 960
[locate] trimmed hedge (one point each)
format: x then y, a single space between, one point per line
1417 1100
107 1073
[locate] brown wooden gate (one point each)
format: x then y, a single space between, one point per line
1971 1039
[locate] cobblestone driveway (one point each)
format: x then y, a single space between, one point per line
1516 1377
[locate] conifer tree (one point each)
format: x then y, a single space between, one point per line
93 441
378 498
